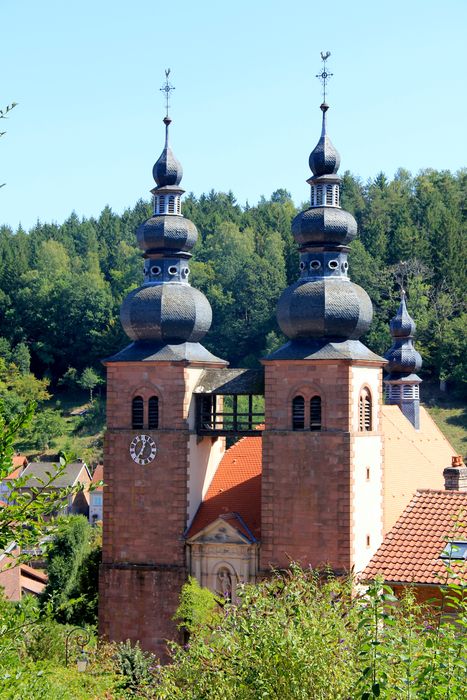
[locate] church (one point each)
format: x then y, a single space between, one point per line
318 477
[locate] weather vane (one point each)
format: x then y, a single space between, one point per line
324 75
167 88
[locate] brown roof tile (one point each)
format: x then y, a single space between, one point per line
234 490
410 552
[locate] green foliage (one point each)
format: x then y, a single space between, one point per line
300 635
89 379
25 518
135 667
73 559
198 606
32 658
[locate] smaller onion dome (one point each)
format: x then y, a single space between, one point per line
169 313
167 170
324 225
402 325
324 158
167 233
402 357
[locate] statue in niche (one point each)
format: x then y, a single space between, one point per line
224 583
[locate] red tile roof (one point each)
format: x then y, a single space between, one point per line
235 490
98 476
410 551
19 460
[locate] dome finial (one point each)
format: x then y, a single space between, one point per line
167 89
324 77
167 170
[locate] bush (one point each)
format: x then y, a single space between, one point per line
135 667
302 636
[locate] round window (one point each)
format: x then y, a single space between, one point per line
302 266
155 270
345 266
186 271
333 264
172 270
315 264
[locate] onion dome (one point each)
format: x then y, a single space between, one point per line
167 169
324 303
403 359
166 313
402 382
324 158
166 309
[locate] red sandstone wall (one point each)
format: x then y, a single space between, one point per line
306 487
144 508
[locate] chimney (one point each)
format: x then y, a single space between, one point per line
455 476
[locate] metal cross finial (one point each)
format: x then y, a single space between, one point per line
324 75
167 88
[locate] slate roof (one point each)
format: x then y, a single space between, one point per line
324 349
410 552
38 470
235 490
231 381
160 352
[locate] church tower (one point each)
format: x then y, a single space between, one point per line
402 383
156 467
322 444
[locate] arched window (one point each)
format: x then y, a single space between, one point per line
153 413
137 412
315 413
171 204
365 421
298 413
161 203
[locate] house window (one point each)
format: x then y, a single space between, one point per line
137 412
329 194
365 411
161 204
153 413
315 413
454 550
96 499
298 413
171 204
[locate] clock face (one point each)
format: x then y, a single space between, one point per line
143 449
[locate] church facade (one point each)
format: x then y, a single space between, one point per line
319 478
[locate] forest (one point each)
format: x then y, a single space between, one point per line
61 285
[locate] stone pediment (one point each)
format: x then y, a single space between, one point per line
221 532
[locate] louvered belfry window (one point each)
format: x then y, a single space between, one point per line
137 412
298 413
365 411
315 413
153 413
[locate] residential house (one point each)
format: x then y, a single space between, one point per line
96 496
427 547
38 473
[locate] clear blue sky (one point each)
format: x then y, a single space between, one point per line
87 73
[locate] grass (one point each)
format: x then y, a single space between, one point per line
449 413
84 433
